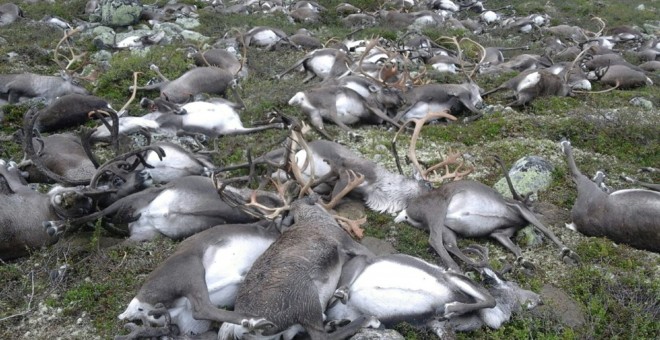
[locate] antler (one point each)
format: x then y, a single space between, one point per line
354 180
412 155
132 98
120 165
602 28
74 57
353 227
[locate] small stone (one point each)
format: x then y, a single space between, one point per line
642 102
641 7
79 321
528 237
194 36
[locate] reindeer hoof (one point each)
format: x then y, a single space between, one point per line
569 257
527 267
354 137
342 294
257 324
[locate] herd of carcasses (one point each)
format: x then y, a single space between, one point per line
275 264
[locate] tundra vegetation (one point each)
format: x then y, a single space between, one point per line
76 288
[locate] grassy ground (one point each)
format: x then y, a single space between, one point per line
613 293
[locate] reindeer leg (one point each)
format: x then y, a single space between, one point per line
296 65
349 273
567 254
383 115
437 242
503 236
480 294
203 308
137 332
449 239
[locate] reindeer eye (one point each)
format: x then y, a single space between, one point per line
140 310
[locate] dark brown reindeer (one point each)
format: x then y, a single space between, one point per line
291 283
23 210
69 110
624 216
471 209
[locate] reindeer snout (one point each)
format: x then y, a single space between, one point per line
51 229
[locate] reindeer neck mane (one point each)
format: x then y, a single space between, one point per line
391 192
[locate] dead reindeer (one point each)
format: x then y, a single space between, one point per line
650 186
70 110
602 61
203 274
23 210
471 209
381 190
339 105
322 63
213 118
576 78
532 84
265 37
171 161
291 283
454 98
624 216
401 288
520 63
220 58
19 87
178 209
9 13
387 98
620 77
211 80
63 158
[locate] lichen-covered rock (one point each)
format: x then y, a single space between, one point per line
642 102
187 23
377 334
119 13
528 174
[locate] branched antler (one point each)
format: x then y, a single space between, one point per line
120 166
354 180
74 57
353 227
412 155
